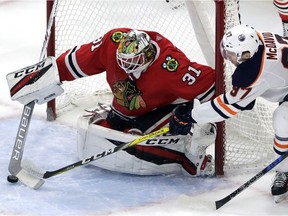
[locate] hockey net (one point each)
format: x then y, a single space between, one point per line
245 142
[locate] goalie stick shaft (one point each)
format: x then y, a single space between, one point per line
49 174
18 149
226 199
17 152
85 161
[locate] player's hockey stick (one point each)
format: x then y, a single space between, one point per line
226 199
15 162
33 170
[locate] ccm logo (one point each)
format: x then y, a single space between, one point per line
30 69
162 141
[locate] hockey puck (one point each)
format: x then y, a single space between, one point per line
12 179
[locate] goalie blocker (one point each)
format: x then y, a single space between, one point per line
39 82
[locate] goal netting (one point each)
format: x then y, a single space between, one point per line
190 25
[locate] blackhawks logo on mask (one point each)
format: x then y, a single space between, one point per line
171 64
128 95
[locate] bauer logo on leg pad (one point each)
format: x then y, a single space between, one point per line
39 82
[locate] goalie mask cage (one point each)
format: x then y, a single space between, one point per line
243 143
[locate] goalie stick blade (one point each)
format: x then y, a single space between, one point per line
29 180
32 169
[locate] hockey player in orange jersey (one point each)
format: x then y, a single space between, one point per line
149 77
261 71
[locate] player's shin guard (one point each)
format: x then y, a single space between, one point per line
280 125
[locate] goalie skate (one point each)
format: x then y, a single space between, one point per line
204 164
279 187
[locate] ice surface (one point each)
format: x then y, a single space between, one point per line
88 190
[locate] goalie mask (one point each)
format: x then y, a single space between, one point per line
135 53
238 40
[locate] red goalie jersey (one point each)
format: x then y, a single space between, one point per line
171 76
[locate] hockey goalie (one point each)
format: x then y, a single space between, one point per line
151 81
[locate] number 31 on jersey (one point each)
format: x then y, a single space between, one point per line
191 76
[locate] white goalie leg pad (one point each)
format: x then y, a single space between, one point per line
203 136
93 139
39 82
91 117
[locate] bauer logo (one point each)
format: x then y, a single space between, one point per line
22 132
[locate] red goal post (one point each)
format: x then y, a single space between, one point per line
202 23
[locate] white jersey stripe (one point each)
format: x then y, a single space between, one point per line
207 95
71 63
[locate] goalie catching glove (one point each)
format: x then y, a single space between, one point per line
181 121
39 82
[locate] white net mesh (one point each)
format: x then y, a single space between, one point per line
81 21
249 136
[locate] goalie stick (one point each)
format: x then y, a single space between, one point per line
17 153
15 166
31 170
226 199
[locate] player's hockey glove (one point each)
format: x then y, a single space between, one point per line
181 121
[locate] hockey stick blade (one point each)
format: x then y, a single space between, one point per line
85 161
29 180
226 199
